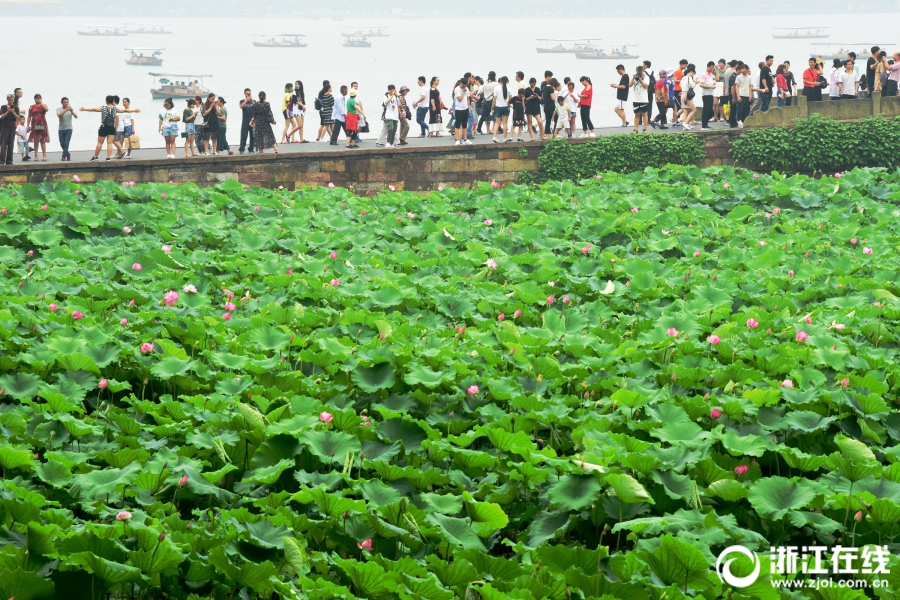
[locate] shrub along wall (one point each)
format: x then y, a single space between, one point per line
621 153
821 144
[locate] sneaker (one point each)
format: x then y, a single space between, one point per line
507 140
241 151
94 159
468 142
740 124
706 129
215 153
108 159
623 125
380 145
456 143
388 145
592 134
496 141
654 124
676 124
663 127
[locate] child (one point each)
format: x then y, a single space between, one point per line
562 117
518 106
572 101
187 117
22 134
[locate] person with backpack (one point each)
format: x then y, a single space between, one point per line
651 88
109 119
639 87
487 102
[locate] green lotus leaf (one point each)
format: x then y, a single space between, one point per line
773 497
48 236
169 367
98 484
422 375
487 517
330 446
367 577
748 445
270 338
627 488
457 532
372 379
294 555
240 575
677 562
109 572
574 492
12 458
21 385
25 585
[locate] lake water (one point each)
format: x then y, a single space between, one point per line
51 59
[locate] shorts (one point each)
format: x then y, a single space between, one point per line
129 130
723 100
620 104
189 129
120 135
461 116
534 111
501 112
287 114
298 114
106 131
170 130
640 107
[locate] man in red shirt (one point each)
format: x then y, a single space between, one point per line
676 77
812 89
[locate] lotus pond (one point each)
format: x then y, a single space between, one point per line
578 390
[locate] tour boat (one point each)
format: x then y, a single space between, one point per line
103 31
188 87
812 33
138 59
356 42
367 31
598 54
581 45
288 40
146 29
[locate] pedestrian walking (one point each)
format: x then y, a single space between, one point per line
500 110
324 103
651 87
287 111
211 114
621 94
188 115
109 119
262 122
548 102
298 102
420 104
223 127
339 116
743 87
37 126
661 96
688 92
168 126
561 118
533 109
22 139
781 86
571 98
584 106
461 110
247 133
405 117
435 120
9 120
199 125
792 83
707 84
65 114
486 103
517 103
352 119
893 69
639 84
392 114
128 127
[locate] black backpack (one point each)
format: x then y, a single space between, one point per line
651 87
109 117
864 82
317 104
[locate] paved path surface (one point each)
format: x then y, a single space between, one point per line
445 140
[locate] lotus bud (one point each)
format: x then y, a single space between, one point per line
161 536
858 516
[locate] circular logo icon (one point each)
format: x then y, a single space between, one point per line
723 566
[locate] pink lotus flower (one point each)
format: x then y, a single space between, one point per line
762 243
2 211
103 384
399 218
808 320
226 316
838 175
725 186
131 183
31 253
77 315
289 272
551 283
183 481
472 390
230 306
146 347
836 325
137 267
366 545
566 300
53 306
517 314
791 273
672 332
495 185
123 322
335 283
256 208
696 254
586 250
858 516
853 240
491 264
411 215
801 336
845 382
756 176
189 289
867 250
768 215
163 196
501 317
166 249
741 470
44 207
634 209
752 323
123 515
325 417
715 413
714 340
126 229
330 185
333 255
440 188
170 298
788 384
488 222
363 213
76 178
776 210
551 299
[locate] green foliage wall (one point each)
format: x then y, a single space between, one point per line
821 144
561 160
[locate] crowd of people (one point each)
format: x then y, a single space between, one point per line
729 91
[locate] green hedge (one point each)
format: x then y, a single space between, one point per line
561 160
821 144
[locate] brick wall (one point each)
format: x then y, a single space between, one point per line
366 171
